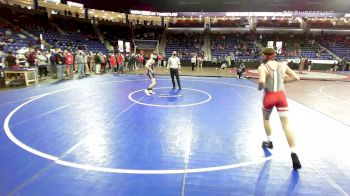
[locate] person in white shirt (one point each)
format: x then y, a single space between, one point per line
193 61
175 67
42 61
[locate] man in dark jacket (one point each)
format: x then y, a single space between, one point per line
59 61
31 57
10 60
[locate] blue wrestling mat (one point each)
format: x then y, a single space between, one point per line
104 136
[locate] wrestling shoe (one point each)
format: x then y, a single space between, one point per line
267 144
295 160
147 92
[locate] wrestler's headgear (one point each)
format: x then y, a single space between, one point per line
268 51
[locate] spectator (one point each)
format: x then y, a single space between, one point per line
92 61
98 62
80 62
42 63
31 57
10 61
59 62
309 66
193 61
113 63
120 62
159 59
127 61
69 63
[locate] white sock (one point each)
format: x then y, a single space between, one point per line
293 150
269 138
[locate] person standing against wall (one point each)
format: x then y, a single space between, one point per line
80 62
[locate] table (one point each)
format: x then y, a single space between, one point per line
25 72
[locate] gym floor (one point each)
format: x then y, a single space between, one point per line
104 136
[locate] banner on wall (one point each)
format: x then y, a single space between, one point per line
127 46
120 46
54 1
71 3
279 47
270 44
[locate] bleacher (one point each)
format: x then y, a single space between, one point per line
186 44
338 44
277 23
147 32
320 24
116 31
11 35
328 24
13 40
187 23
241 46
297 46
230 23
146 44
79 32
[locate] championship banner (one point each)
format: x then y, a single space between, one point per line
279 47
120 46
71 3
127 46
270 44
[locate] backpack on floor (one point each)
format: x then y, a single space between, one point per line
17 82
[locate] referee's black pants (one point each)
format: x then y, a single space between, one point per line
175 72
193 64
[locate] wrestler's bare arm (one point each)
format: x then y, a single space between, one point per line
262 77
148 64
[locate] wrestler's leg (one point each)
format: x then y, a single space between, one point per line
290 138
268 129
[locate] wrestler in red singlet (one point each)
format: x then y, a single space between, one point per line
272 76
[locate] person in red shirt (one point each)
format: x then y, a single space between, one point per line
200 60
113 63
31 57
92 61
159 59
69 63
140 60
120 62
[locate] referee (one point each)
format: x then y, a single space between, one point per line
175 67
